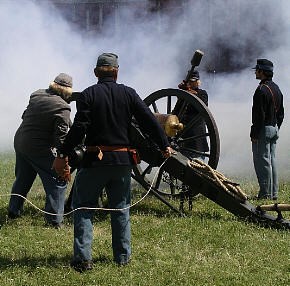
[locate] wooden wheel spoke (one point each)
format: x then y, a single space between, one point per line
168 104
193 138
195 151
154 106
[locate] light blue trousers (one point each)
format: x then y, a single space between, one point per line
89 184
264 158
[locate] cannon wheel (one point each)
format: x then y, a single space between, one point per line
163 101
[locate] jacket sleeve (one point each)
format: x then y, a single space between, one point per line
258 114
61 126
280 112
202 94
79 127
149 124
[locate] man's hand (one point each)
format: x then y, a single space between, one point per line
192 91
167 152
183 85
62 168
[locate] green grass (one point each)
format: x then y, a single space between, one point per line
208 247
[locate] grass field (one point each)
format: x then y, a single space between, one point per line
207 247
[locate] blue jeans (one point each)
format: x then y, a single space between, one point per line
265 162
89 183
26 169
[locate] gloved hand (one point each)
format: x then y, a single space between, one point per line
183 85
62 168
66 173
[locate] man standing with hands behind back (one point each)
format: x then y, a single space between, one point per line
103 118
267 117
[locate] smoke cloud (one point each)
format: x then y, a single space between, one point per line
155 51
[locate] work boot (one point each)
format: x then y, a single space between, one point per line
123 262
82 266
56 225
12 215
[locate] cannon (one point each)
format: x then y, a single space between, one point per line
175 103
184 176
198 177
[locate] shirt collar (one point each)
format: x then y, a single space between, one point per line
106 79
264 80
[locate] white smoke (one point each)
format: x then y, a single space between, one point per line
37 44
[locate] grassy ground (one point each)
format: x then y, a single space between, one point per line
208 247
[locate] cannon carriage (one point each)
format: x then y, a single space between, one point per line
182 177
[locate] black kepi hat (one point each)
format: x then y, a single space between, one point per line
194 76
264 64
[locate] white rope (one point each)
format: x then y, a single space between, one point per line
91 208
217 178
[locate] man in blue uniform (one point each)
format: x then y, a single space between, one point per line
199 128
267 117
103 118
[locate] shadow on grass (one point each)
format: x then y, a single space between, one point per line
34 262
50 261
154 210
29 211
33 216
211 216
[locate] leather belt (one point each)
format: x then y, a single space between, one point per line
100 149
107 148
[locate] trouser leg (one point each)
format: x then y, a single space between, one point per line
54 189
265 162
54 200
262 165
118 191
275 184
83 235
25 176
89 183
